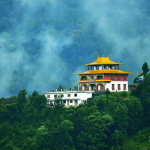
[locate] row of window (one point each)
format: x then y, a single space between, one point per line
104 67
101 77
118 77
70 101
62 95
91 78
119 87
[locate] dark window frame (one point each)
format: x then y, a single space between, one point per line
75 95
124 86
113 77
124 77
113 86
118 77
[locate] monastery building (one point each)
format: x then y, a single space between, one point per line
101 74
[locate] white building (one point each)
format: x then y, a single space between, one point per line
69 98
103 74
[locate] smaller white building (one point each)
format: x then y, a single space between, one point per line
69 98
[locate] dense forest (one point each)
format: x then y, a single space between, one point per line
27 123
44 43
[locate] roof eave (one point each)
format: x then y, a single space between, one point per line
104 64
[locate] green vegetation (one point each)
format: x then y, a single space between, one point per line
138 141
145 69
110 122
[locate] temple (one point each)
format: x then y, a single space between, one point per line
103 74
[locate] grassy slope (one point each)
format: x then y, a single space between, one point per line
138 141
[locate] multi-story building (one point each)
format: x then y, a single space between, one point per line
103 74
69 98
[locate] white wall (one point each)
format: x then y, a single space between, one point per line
80 96
82 87
89 87
109 85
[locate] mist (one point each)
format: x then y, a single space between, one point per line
43 43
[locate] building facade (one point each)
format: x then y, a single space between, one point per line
69 98
103 74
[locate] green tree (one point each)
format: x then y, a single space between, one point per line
117 140
22 100
62 139
75 88
135 115
145 68
120 118
60 88
94 135
107 92
143 93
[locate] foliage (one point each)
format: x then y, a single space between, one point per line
107 92
102 123
60 88
143 93
145 69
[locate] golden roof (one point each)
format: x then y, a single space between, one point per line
94 81
103 71
103 61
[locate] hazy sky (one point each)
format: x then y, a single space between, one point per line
32 46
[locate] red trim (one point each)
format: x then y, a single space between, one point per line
80 89
109 77
96 88
87 88
103 88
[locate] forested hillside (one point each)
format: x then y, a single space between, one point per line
43 43
104 123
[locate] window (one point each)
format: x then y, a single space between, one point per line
55 96
64 101
62 95
113 87
119 77
110 67
124 87
119 87
71 101
100 67
124 77
68 95
113 77
104 67
48 96
75 95
99 77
